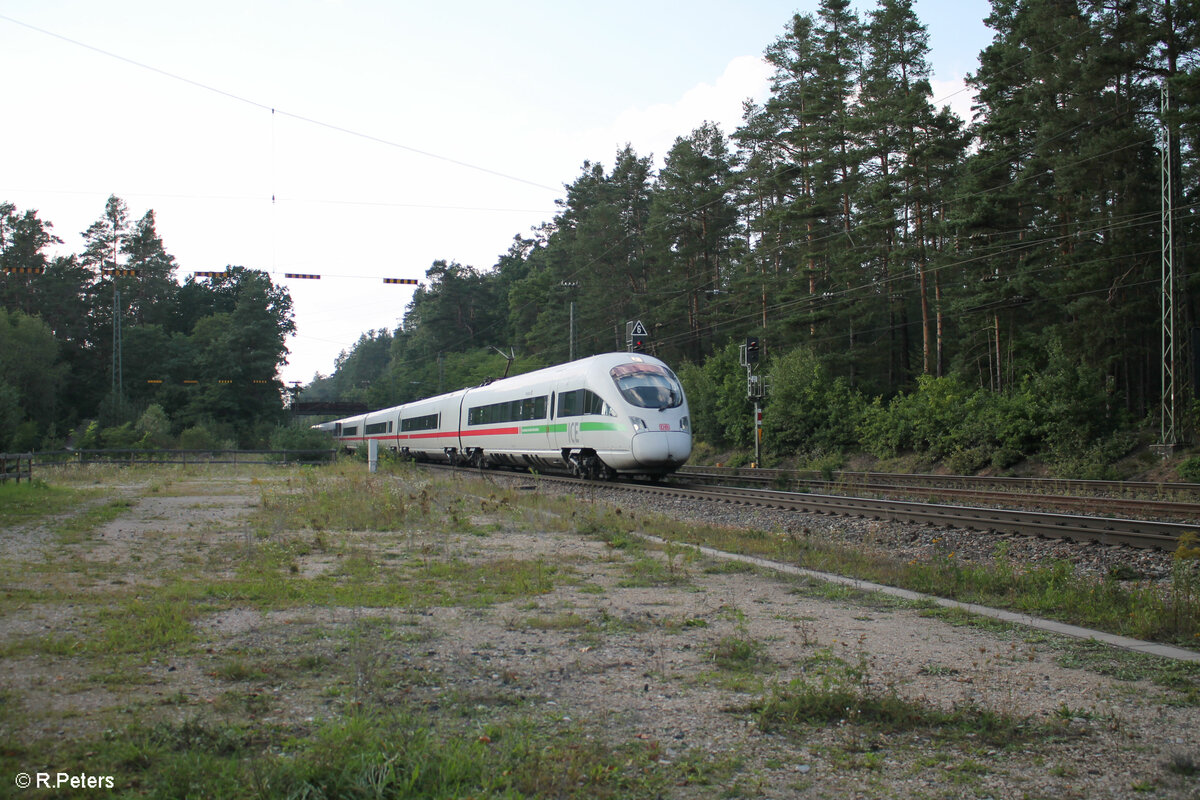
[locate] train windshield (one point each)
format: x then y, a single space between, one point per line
648 385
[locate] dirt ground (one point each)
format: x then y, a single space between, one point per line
631 642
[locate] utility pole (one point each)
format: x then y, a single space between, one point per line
571 286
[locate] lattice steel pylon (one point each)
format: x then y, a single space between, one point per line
118 370
1167 435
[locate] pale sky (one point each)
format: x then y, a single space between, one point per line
402 132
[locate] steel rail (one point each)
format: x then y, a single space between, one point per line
1116 506
1041 485
1106 530
1146 534
1150 534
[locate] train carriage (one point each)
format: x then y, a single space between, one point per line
618 413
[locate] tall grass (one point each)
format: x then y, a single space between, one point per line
393 753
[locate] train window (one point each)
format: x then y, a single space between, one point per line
581 402
377 427
429 422
349 430
648 385
509 411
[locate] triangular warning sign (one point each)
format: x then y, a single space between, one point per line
638 329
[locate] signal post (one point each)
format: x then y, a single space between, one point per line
756 390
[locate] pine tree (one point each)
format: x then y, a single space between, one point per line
694 224
150 295
1059 211
892 116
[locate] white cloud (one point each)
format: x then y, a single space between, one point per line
954 93
654 129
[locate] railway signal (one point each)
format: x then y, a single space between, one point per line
636 337
756 389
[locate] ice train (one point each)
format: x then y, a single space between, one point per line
599 417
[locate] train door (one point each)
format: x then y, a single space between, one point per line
563 429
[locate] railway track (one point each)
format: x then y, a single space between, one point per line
1143 533
1098 488
1137 499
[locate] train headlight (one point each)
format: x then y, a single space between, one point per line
685 424
639 424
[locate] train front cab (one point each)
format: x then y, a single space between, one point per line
658 414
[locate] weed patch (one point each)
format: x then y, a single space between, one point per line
832 692
394 754
26 502
739 653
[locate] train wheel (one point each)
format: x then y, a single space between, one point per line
576 465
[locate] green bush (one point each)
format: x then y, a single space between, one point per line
1062 411
1065 411
89 437
294 437
810 411
154 427
1189 469
721 414
198 437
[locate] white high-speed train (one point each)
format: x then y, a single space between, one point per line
599 417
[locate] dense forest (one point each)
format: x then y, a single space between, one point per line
106 349
976 291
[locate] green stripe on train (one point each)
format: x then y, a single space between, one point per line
561 427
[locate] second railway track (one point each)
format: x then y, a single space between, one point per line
1142 533
1030 494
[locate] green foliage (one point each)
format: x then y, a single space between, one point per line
399 753
1189 469
23 502
155 427
295 437
983 294
738 653
32 375
10 416
121 437
89 437
199 437
1188 547
1061 412
716 392
225 335
809 411
834 692
945 419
